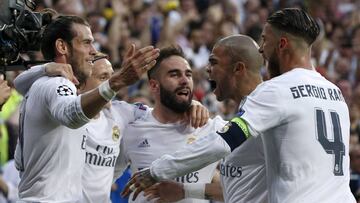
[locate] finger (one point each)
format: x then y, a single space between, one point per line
151 196
71 76
149 66
199 118
204 117
136 193
193 116
144 51
126 191
149 56
75 80
130 51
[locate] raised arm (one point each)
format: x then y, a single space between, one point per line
24 81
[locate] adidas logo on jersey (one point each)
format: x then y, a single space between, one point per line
144 143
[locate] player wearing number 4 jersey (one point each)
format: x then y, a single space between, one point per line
301 117
305 130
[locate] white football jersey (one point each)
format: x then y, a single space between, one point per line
102 149
50 154
146 139
243 175
304 122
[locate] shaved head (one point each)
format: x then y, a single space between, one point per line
243 48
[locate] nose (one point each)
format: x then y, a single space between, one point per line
92 49
185 79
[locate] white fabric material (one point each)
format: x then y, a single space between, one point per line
146 140
52 153
242 173
24 81
102 149
12 179
282 111
196 190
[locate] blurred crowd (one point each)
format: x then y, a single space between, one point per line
195 25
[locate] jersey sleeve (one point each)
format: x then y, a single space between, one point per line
129 112
202 152
24 81
263 109
60 99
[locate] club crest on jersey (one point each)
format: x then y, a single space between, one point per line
190 139
225 128
64 90
115 133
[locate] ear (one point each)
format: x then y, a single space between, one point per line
239 67
283 42
154 85
61 47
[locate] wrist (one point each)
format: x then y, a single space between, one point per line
194 190
116 85
106 91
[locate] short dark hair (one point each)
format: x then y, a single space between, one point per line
164 54
296 22
60 27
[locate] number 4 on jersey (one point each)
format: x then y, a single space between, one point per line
335 147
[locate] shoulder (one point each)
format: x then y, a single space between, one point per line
54 83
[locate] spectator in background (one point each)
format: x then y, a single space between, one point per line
5 90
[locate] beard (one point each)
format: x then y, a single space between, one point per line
274 65
168 99
75 65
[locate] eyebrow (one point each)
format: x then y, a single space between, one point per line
178 70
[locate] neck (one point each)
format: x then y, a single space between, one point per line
296 59
166 115
245 87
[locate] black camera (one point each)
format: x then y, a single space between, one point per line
20 29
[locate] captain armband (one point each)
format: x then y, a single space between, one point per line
235 132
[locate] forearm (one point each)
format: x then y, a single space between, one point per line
213 191
24 81
93 101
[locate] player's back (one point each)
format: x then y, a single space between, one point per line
304 122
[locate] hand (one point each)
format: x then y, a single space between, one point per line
165 191
5 90
4 189
135 64
61 69
139 182
198 114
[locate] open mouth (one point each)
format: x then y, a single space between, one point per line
183 92
212 84
90 62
